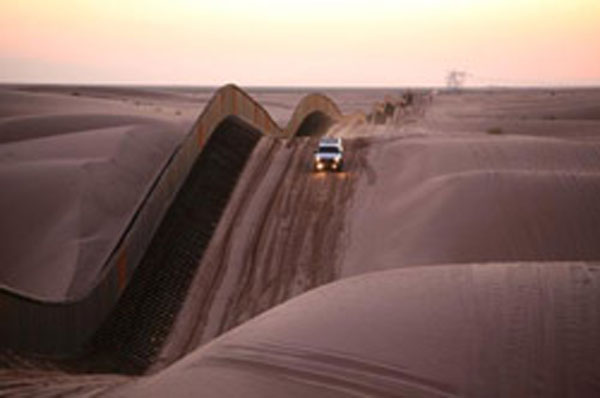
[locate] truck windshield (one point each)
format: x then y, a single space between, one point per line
329 149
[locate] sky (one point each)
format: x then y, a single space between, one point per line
300 43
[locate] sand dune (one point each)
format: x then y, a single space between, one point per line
509 206
473 199
39 126
280 213
70 183
561 114
506 330
461 242
70 199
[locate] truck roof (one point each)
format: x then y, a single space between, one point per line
330 141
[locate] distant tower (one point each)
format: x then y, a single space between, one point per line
455 79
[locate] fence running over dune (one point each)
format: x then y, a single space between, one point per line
227 129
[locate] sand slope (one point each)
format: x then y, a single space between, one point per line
438 191
469 198
493 330
469 262
72 175
278 238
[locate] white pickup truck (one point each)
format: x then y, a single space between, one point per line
329 155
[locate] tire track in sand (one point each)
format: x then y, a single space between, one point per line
281 235
296 248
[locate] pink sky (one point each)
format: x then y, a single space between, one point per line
299 43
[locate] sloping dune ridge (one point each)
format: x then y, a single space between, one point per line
71 179
456 255
520 329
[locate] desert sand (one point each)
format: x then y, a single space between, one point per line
457 254
73 171
451 330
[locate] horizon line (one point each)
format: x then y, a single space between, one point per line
592 85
